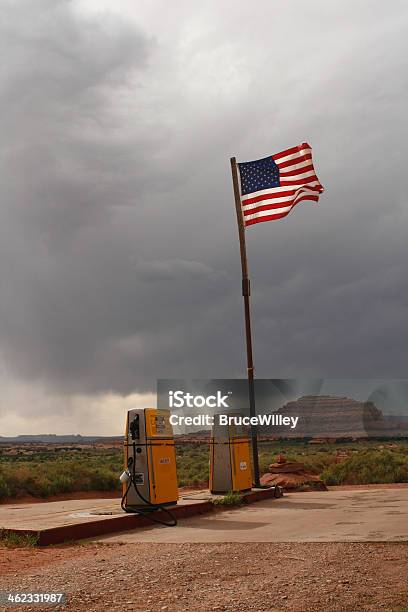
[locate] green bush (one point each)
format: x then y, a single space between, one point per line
47 473
103 480
10 539
229 499
61 483
192 464
4 490
368 467
64 475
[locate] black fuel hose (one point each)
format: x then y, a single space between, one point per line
150 507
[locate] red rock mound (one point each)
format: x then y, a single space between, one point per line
292 475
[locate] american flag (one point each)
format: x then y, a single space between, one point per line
272 186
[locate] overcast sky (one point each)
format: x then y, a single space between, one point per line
119 258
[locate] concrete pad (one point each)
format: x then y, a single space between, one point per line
379 515
57 514
59 521
56 522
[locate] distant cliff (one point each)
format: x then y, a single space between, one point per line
338 417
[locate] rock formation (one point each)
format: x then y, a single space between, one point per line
291 475
337 417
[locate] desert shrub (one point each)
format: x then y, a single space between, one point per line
10 539
46 473
4 490
192 464
61 483
368 467
104 480
42 479
316 463
25 480
229 499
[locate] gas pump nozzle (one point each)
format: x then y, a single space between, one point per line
126 475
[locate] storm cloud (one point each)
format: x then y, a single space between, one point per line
119 259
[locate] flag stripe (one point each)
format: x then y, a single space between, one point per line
268 196
277 202
296 165
315 198
266 218
306 190
294 160
268 193
298 153
299 172
248 214
291 151
309 179
264 213
298 177
259 218
281 197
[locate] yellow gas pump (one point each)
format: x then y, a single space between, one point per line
150 478
230 458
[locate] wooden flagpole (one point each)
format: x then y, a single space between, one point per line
246 292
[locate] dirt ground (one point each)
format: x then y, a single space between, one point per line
172 577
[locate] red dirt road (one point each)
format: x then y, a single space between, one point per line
180 577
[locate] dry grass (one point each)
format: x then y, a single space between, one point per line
57 471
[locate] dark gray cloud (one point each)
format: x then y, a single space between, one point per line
119 258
